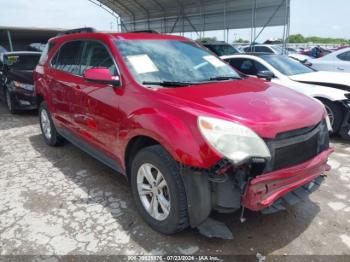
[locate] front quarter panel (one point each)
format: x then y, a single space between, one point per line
175 129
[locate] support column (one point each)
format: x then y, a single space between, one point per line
10 40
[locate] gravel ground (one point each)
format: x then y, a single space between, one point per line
59 201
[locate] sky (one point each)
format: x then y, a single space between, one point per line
310 18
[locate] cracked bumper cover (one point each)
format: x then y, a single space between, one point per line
264 190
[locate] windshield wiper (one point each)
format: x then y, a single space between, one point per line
223 78
169 83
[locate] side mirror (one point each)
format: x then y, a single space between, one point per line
268 75
101 75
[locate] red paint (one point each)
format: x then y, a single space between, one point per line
98 74
109 117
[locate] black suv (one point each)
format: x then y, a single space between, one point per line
16 80
220 48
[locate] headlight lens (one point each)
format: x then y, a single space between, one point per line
234 141
24 86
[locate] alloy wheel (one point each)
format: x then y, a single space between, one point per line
330 115
153 191
45 124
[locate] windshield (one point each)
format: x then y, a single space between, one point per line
222 50
22 62
170 60
286 65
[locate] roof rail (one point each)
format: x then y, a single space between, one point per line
145 31
78 31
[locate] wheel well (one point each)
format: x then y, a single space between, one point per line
134 146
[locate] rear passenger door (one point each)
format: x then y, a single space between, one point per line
65 82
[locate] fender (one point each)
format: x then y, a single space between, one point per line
185 145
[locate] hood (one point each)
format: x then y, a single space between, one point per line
323 78
23 76
265 107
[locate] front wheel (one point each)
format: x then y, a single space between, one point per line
335 114
159 191
47 126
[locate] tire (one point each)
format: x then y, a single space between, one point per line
177 218
337 112
52 138
9 102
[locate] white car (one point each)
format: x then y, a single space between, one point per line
276 49
338 61
331 88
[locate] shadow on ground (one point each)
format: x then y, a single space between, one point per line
260 233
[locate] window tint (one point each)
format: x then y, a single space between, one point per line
247 66
68 58
344 56
97 55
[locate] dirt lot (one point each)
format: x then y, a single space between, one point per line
61 201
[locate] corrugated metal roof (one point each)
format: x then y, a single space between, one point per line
196 15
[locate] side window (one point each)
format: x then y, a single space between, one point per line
344 56
259 67
236 63
97 55
68 58
248 67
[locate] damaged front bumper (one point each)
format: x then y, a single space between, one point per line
299 160
263 191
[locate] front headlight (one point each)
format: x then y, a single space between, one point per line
24 86
234 141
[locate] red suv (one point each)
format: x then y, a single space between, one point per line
189 133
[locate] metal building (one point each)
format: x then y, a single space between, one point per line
174 16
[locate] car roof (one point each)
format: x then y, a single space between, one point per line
121 36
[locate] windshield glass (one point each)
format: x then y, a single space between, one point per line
22 62
222 50
286 65
170 60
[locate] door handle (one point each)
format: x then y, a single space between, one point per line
77 87
340 69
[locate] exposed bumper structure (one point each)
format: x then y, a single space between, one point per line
265 190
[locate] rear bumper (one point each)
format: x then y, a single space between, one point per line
265 190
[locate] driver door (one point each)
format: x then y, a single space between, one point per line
99 122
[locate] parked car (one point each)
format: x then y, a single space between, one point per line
16 80
278 50
332 89
338 61
316 52
185 129
220 48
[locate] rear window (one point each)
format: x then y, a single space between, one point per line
46 52
22 62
